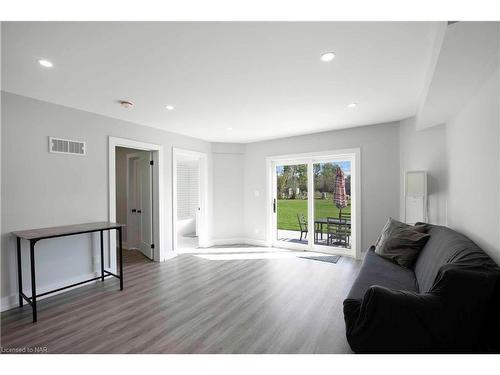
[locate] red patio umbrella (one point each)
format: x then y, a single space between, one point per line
339 195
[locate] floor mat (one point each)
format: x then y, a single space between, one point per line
326 258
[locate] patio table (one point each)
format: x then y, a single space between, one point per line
318 224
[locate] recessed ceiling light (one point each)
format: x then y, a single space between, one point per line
229 128
328 56
45 63
352 105
126 104
169 107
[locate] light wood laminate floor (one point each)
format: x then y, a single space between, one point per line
230 301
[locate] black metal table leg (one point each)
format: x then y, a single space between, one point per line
19 271
121 257
102 256
33 282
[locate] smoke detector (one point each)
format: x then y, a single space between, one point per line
126 104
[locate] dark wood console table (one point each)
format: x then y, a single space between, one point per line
35 235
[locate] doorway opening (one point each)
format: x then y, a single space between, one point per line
134 198
189 198
315 203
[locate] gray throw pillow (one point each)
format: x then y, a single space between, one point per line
401 243
387 230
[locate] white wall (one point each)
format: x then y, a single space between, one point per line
473 144
41 189
379 146
465 95
425 150
228 188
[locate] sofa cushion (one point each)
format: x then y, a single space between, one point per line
390 226
446 246
376 270
401 243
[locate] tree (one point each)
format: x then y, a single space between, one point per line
283 180
293 181
316 169
302 177
348 185
324 177
328 174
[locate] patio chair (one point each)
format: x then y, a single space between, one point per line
302 225
336 231
347 217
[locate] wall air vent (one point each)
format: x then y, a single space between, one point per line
66 146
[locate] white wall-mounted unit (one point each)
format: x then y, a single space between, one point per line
66 146
415 197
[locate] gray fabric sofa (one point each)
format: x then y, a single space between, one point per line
447 303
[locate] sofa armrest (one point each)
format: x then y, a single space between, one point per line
471 296
450 318
391 321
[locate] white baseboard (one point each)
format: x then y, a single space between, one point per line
10 302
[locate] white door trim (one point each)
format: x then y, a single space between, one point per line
309 158
203 181
159 226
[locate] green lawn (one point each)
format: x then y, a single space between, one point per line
289 208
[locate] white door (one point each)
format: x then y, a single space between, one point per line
291 227
140 204
145 169
133 204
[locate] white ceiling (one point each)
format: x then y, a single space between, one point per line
264 80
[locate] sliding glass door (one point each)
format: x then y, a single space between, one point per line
332 203
314 202
291 203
